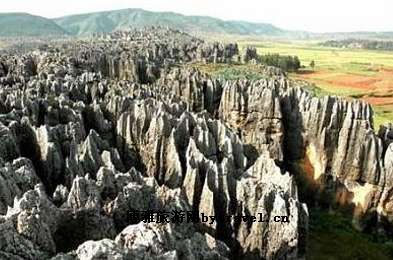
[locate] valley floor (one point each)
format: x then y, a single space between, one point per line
332 237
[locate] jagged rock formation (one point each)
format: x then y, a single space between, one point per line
345 153
351 164
254 109
93 131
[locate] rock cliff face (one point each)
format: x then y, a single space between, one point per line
253 108
350 162
93 131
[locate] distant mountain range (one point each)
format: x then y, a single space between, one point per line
23 24
122 19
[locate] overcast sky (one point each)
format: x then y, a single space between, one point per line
316 16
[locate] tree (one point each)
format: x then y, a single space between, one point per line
297 63
286 63
312 64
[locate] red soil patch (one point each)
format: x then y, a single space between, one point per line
377 89
360 82
379 101
382 80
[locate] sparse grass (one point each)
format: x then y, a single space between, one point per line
333 90
333 237
382 115
2 45
316 91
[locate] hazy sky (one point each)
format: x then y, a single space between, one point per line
317 15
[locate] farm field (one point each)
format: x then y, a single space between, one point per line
352 73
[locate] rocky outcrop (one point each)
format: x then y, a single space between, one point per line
152 131
253 108
9 149
161 241
265 192
29 226
200 91
346 155
16 179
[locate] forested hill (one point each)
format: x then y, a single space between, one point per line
122 19
23 24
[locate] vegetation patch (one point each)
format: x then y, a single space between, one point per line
233 72
286 63
360 44
333 237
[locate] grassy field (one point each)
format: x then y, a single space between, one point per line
362 74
